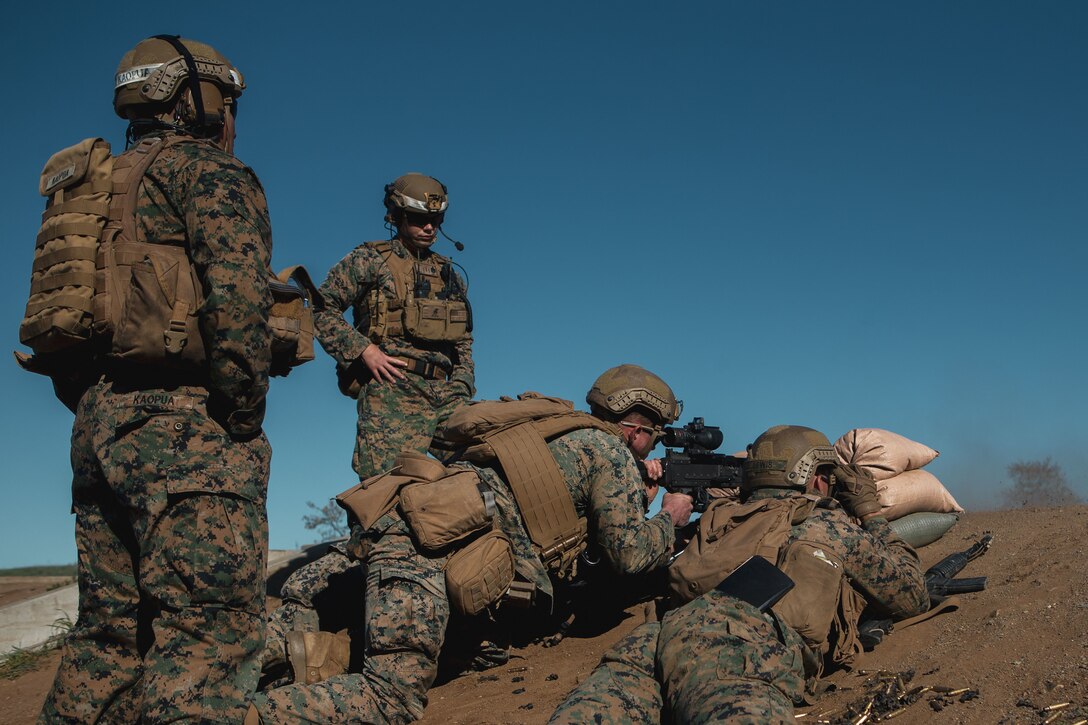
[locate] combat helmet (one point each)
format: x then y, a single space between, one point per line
624 387
153 76
415 193
785 456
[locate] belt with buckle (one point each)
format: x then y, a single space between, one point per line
423 369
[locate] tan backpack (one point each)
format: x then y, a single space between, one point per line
77 183
92 280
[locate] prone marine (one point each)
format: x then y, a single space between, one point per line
719 657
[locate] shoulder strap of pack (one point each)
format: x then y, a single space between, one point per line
557 532
128 171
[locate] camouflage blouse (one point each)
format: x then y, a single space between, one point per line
197 195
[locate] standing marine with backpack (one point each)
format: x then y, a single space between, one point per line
150 305
478 540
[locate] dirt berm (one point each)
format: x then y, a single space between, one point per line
1018 647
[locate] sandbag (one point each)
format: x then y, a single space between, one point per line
882 454
924 527
912 492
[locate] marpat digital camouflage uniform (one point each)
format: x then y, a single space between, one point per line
393 417
170 474
406 605
717 658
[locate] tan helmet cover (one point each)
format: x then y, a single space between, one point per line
785 456
624 387
415 193
153 74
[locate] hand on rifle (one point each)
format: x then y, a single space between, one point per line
679 506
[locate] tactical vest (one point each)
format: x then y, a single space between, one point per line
514 433
93 279
823 608
429 303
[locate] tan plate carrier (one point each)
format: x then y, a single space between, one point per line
515 433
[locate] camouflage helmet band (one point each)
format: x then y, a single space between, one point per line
626 399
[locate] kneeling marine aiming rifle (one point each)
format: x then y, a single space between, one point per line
696 467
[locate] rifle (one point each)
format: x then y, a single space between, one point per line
939 581
696 467
939 584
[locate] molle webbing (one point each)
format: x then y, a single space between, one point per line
59 311
428 314
557 532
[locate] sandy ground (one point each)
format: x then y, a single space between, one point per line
1022 644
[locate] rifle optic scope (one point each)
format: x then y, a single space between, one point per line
693 435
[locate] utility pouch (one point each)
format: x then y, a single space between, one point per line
350 379
158 321
451 509
368 501
435 320
478 575
291 319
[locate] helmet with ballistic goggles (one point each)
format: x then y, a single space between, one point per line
786 456
165 69
620 389
415 194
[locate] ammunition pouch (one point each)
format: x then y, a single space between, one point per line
480 574
436 320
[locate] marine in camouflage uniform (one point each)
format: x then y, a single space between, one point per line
718 658
410 383
170 469
407 609
400 406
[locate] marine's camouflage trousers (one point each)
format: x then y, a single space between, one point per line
172 540
622 689
401 416
312 587
406 616
715 658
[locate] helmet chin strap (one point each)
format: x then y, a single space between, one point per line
226 139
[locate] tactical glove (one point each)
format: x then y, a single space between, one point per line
856 492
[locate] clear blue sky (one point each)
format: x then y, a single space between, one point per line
836 214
